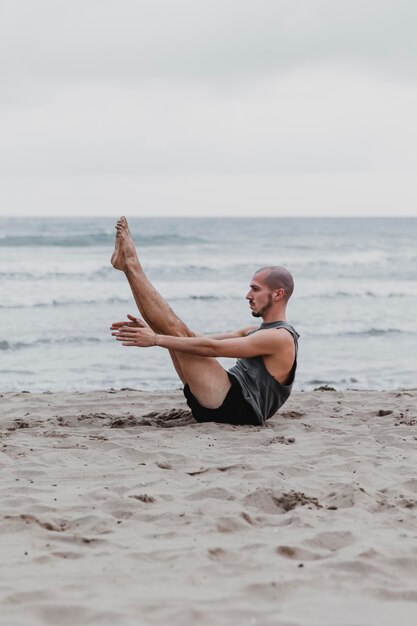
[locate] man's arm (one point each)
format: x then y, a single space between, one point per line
136 322
258 344
262 343
233 335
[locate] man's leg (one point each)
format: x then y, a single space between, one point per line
206 378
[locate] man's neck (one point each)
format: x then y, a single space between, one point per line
275 315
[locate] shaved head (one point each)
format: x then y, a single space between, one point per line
277 277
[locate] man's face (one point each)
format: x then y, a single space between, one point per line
259 296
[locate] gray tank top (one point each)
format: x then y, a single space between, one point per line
265 394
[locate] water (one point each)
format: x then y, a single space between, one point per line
354 304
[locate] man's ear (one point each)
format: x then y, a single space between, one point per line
279 293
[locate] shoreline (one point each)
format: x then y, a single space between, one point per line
110 516
132 404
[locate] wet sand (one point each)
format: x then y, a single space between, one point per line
117 508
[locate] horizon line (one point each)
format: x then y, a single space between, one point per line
196 217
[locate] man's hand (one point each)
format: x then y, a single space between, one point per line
134 333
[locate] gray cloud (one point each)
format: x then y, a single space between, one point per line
105 40
102 93
304 122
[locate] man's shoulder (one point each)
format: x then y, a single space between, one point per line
278 336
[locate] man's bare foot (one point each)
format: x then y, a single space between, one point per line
124 248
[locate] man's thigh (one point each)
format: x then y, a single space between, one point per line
207 379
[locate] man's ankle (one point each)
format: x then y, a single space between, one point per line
132 267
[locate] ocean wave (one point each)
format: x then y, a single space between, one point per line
329 381
92 240
21 372
103 272
59 303
375 332
369 332
116 300
202 298
335 295
19 345
108 272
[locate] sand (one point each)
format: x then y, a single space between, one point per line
112 518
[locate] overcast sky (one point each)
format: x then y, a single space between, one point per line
223 107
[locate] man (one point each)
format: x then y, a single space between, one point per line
260 382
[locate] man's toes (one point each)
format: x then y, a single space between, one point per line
122 224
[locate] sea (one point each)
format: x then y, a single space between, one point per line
354 304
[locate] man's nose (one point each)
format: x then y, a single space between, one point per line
248 296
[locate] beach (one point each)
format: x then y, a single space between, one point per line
117 508
175 177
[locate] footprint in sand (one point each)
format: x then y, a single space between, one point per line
281 439
291 415
220 554
331 540
298 554
143 497
31 519
218 493
271 502
170 418
230 524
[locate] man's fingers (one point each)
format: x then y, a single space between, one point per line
134 323
127 330
129 343
120 324
126 336
137 320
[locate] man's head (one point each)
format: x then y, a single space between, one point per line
271 287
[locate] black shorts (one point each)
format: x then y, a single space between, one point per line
234 410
